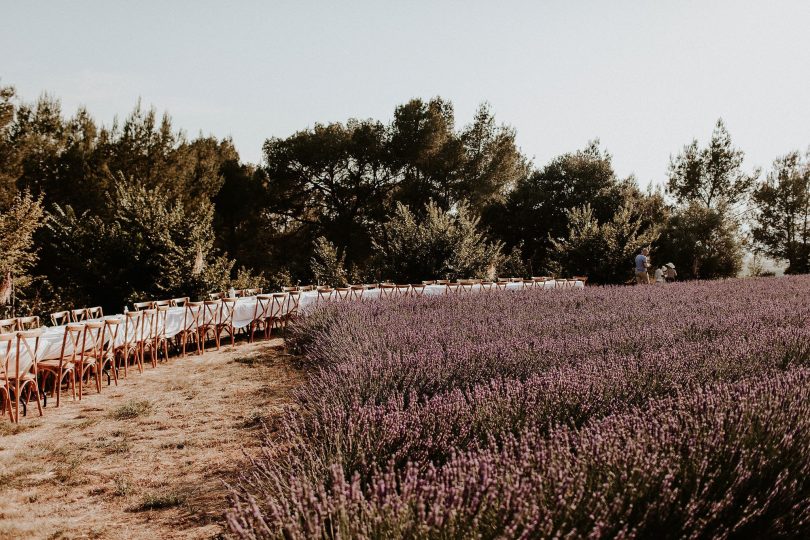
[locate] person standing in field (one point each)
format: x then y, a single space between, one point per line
670 273
659 275
642 264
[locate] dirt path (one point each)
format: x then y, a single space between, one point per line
146 459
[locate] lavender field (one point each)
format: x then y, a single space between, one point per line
656 412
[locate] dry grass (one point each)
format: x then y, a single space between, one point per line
146 459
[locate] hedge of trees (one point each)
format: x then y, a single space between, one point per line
107 214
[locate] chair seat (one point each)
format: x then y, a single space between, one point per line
53 365
24 377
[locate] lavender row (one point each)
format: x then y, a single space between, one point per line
725 461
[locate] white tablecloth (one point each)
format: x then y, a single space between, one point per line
50 343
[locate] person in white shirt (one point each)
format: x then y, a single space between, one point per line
659 275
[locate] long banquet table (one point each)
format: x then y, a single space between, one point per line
50 344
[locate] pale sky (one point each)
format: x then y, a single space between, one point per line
645 77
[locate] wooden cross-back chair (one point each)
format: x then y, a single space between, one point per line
161 303
25 379
161 339
90 356
418 289
28 323
190 330
324 295
208 322
387 291
226 319
78 315
8 345
356 292
403 290
261 313
278 315
63 368
529 283
486 286
140 306
179 302
146 340
501 285
465 286
59 318
342 293
452 288
130 344
107 359
95 312
293 305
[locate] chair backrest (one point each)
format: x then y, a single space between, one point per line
261 310
71 342
210 312
403 290
58 318
289 289
418 289
387 291
486 286
161 315
179 302
324 295
252 292
429 282
92 340
465 286
238 293
529 283
293 303
356 292
143 305
78 315
451 288
132 326
583 279
226 313
8 325
109 336
369 286
191 315
442 282
278 303
95 312
28 343
305 288
501 284
147 324
28 323
216 295
161 303
342 293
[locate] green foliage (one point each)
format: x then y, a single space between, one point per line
711 176
328 265
512 265
149 248
602 251
537 210
18 254
702 243
782 213
443 244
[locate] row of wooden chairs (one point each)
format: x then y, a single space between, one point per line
18 324
60 318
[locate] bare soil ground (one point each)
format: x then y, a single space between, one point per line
145 459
